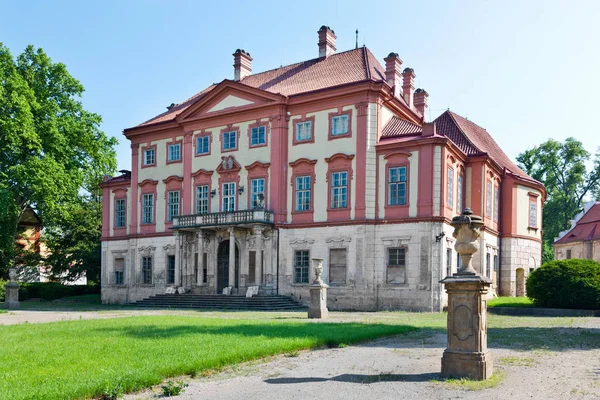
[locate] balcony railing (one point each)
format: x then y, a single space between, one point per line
223 218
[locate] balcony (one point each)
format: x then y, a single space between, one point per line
245 218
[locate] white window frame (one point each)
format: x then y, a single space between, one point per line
171 268
174 152
395 184
173 202
532 213
450 189
257 186
230 140
150 156
258 135
400 253
340 125
228 198
147 270
120 213
488 199
302 196
148 208
202 143
301 267
496 203
339 189
303 131
202 199
459 193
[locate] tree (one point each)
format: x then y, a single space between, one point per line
51 148
561 167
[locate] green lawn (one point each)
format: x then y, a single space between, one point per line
510 302
77 359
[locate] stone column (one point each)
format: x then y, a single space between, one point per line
467 355
232 257
258 268
11 300
318 293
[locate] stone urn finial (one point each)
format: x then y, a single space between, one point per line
12 274
467 229
318 266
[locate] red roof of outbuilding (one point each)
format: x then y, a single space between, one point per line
400 127
343 68
586 228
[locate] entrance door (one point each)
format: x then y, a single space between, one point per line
520 282
223 266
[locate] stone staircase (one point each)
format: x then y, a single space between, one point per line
220 302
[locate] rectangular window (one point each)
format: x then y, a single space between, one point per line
337 266
202 145
303 131
174 152
339 190
119 268
459 194
149 156
147 270
202 199
173 205
230 140
170 270
301 266
257 136
396 265
488 264
397 186
339 125
450 194
252 266
488 200
302 193
496 203
568 254
228 203
196 268
532 214
147 208
204 267
257 193
496 262
448 262
120 205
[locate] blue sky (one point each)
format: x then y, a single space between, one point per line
525 70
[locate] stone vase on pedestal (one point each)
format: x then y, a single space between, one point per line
318 293
467 355
11 297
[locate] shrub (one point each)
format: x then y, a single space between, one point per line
570 283
53 290
173 388
2 289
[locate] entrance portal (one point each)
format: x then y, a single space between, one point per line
223 266
520 282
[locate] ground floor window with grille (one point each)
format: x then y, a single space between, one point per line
170 270
301 266
337 266
119 269
147 270
396 265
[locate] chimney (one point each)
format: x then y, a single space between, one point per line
408 85
242 64
429 129
326 41
392 71
421 101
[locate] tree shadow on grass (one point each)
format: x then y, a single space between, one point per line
359 378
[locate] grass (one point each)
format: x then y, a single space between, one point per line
517 361
3 311
468 384
75 359
510 302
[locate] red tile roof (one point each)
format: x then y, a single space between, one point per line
400 127
319 73
586 228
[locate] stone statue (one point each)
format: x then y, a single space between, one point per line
467 229
317 307
318 262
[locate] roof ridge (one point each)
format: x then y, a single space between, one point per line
366 60
452 115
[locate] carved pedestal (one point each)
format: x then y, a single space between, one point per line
11 297
467 355
318 301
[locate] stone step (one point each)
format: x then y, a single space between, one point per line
215 302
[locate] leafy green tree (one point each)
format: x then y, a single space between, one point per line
561 167
51 148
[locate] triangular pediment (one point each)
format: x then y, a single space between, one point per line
228 96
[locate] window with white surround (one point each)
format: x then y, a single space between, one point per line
202 199
149 156
397 186
228 198
488 200
301 266
202 145
337 266
147 270
170 270
257 135
496 203
257 188
174 152
339 125
459 194
303 131
396 265
148 208
119 271
173 205
450 191
488 264
230 140
532 213
120 207
339 189
303 192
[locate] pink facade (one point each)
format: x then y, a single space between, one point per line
334 147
